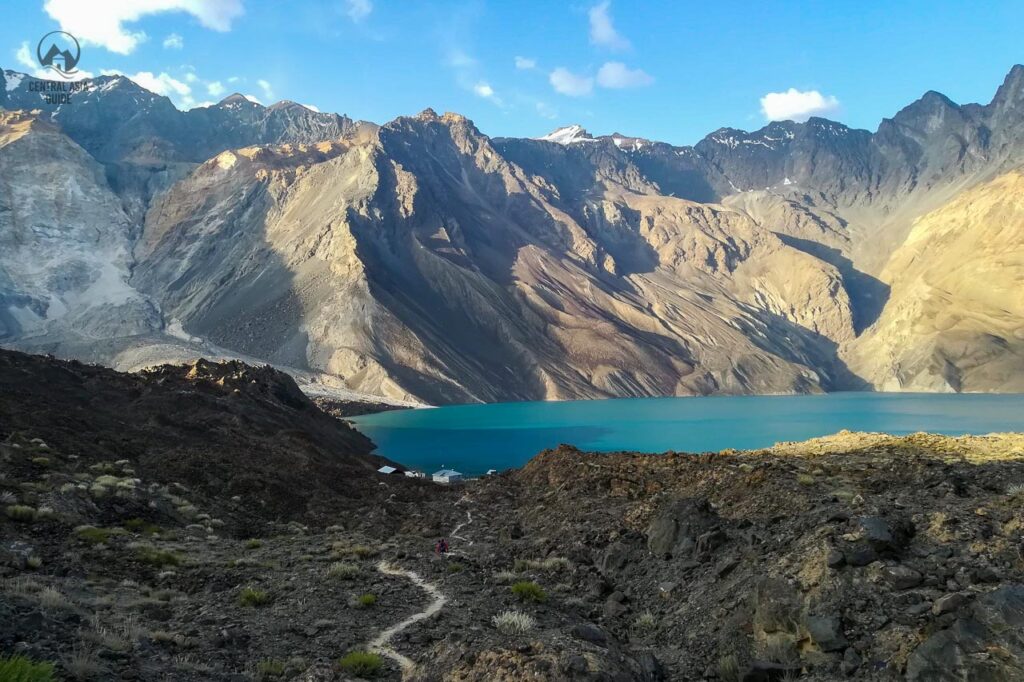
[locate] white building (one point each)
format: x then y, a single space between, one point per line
447 476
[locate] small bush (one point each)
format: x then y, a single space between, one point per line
358 551
343 571
505 577
645 623
21 669
50 598
93 535
361 664
729 668
513 622
365 601
555 563
141 526
41 461
253 544
805 479
20 512
526 590
34 562
455 567
253 597
82 665
157 557
270 667
7 498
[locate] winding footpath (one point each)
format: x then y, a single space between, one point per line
379 644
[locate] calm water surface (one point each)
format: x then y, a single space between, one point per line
475 438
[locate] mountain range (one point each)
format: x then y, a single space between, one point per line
422 260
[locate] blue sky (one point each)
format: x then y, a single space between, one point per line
672 71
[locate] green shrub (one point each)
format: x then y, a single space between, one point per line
270 667
93 535
250 596
157 557
361 664
19 512
365 601
141 526
527 590
253 543
455 567
21 669
342 570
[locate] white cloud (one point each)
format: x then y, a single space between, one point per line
191 77
525 63
24 57
459 59
618 75
544 110
482 89
602 30
568 83
311 107
174 42
103 23
253 99
215 88
234 79
163 84
797 105
268 92
357 10
202 105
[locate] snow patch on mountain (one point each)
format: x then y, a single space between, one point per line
568 135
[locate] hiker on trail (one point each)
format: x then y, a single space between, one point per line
441 548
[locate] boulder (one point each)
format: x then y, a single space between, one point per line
826 632
676 527
964 651
589 632
901 577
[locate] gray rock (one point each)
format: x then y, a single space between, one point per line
964 650
851 661
901 577
675 529
860 555
614 558
835 559
826 632
949 603
589 632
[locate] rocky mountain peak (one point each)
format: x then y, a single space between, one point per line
236 100
1011 92
568 135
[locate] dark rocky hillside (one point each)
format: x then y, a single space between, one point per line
208 522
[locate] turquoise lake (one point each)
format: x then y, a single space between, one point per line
475 438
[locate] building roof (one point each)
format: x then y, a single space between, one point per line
387 470
447 472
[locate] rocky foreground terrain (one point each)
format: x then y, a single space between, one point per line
209 522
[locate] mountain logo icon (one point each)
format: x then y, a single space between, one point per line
61 52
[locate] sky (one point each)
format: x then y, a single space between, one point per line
666 70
